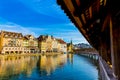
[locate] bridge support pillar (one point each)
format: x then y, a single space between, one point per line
115 47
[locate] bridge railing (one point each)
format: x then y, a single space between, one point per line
106 73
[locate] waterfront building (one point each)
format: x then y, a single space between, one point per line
42 44
11 43
49 40
55 45
62 46
70 47
26 45
31 42
51 44
45 43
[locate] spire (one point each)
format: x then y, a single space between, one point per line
71 41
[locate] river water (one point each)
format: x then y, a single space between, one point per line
57 67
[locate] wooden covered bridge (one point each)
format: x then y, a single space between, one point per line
99 22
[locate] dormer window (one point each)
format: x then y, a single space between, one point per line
6 35
20 36
11 35
15 36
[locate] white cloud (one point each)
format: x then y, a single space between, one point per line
36 29
66 31
15 28
67 35
76 36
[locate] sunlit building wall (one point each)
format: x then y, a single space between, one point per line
11 43
42 43
70 47
0 43
51 44
32 43
62 46
55 45
49 40
26 45
45 43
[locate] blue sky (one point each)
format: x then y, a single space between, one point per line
38 17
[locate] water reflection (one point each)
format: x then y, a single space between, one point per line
70 58
49 63
56 67
10 66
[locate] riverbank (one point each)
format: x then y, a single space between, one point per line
31 54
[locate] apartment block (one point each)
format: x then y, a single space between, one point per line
31 43
16 43
45 43
50 44
11 43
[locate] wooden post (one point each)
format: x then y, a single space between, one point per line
103 51
115 46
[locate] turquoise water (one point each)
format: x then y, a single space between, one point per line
59 67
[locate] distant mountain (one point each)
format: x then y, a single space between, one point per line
82 45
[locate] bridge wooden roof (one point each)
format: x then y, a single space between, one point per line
91 17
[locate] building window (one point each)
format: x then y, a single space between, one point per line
6 35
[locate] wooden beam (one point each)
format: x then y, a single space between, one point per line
115 46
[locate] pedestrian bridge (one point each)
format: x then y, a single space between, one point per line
98 21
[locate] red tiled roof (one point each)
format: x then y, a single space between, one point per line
61 41
11 34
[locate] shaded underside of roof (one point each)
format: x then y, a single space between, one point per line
92 18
